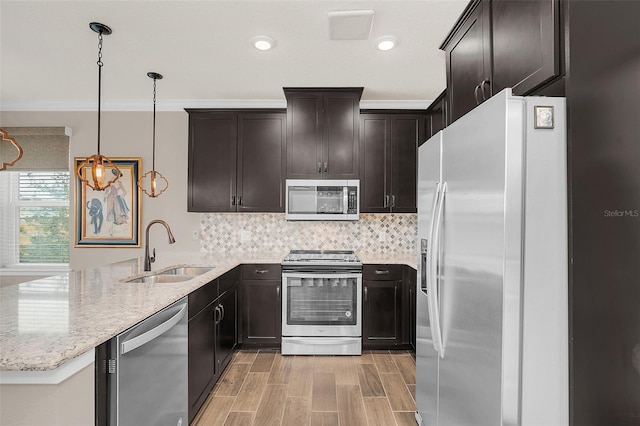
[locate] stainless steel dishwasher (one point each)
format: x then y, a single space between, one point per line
148 371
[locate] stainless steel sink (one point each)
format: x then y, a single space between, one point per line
187 270
161 278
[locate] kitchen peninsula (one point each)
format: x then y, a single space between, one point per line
50 327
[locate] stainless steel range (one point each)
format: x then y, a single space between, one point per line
321 303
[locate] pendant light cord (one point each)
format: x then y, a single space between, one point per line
99 83
153 166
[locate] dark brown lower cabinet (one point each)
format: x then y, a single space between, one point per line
388 307
409 285
382 306
202 357
213 335
261 305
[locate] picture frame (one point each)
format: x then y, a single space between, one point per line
543 116
109 218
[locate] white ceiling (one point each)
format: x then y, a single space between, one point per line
203 49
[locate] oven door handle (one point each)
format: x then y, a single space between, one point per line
319 340
322 274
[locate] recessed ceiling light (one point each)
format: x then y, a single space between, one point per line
263 43
386 43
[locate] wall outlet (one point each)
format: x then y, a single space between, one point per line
245 235
195 235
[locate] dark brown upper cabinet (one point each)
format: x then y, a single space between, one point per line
236 160
436 116
468 60
525 44
322 132
497 44
388 165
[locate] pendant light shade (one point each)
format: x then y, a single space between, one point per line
157 183
92 171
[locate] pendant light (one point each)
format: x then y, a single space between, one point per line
98 163
153 174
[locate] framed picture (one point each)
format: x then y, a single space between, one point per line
110 217
543 117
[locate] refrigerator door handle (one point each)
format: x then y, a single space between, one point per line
425 246
432 293
434 296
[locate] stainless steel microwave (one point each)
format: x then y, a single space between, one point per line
325 199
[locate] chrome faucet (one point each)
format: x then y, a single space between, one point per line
148 260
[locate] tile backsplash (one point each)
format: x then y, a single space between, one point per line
260 232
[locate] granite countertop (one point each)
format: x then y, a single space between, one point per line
47 322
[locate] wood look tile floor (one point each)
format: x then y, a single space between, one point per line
265 388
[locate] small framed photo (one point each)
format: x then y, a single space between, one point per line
543 117
110 217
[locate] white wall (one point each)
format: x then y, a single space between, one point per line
129 134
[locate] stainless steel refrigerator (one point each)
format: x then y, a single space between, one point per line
492 308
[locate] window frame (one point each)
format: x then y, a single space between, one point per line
10 205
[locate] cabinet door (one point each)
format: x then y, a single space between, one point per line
304 135
212 162
525 43
202 362
436 116
261 312
261 162
468 63
341 112
409 302
382 314
406 132
227 337
375 163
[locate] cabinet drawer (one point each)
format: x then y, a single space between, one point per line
261 271
201 297
226 281
382 272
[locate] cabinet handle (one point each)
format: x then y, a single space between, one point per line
382 272
233 200
261 271
278 292
319 167
393 201
221 306
475 94
326 167
365 293
485 82
386 201
216 314
239 200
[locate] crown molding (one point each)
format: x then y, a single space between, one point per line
181 104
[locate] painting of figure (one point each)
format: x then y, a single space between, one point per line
110 216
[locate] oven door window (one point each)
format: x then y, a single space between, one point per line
321 301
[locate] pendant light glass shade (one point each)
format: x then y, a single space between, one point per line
91 171
16 146
157 183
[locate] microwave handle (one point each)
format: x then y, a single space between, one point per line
345 199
